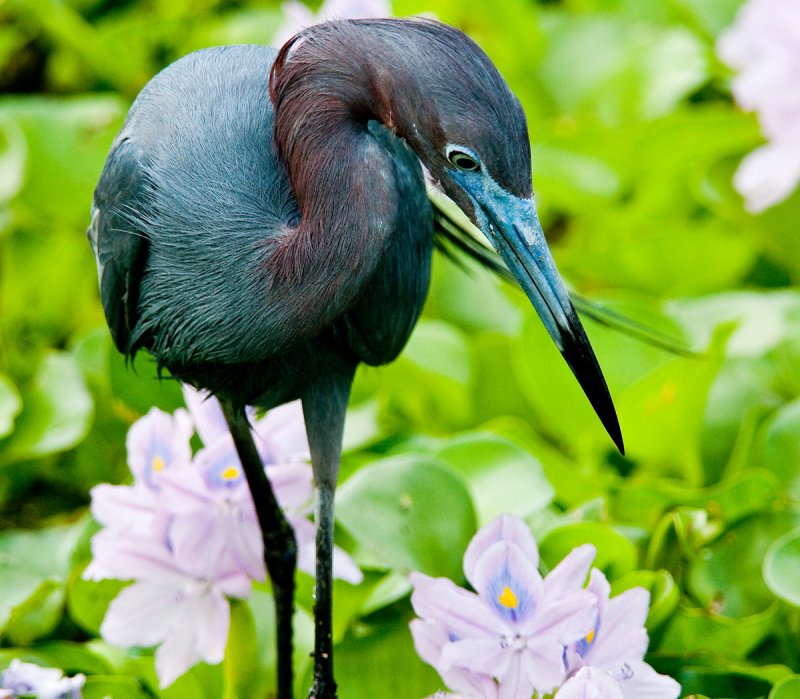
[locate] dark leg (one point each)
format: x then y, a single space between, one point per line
280 547
324 407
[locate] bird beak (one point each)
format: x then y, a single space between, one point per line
512 226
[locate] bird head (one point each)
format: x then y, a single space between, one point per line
437 89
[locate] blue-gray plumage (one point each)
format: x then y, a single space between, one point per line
262 226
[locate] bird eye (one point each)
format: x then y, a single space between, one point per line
463 161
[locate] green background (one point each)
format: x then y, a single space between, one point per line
635 141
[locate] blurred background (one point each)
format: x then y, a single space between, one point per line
636 140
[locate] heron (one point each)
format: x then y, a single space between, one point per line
264 223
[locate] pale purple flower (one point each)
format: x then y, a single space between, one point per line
764 46
514 628
280 435
591 683
158 441
616 645
23 679
182 608
186 531
298 16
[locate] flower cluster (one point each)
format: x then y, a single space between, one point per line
186 530
521 635
764 46
26 679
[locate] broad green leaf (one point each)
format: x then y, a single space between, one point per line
67 142
10 405
698 630
428 386
31 564
379 660
88 600
13 156
782 567
56 414
410 513
778 447
105 686
727 575
38 615
73 658
616 555
502 478
787 688
664 593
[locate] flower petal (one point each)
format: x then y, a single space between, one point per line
570 574
567 620
209 421
130 556
620 631
508 582
590 683
503 528
123 506
487 656
142 614
158 441
280 435
640 681
515 683
211 618
463 613
429 639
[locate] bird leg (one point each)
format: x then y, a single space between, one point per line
324 407
280 546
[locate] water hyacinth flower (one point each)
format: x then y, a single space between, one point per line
186 531
764 46
614 649
520 635
26 679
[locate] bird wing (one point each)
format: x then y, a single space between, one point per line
120 246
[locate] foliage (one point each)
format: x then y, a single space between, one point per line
635 142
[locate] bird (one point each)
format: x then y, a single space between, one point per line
266 220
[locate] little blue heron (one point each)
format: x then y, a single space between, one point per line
262 225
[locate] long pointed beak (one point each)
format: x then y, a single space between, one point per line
512 226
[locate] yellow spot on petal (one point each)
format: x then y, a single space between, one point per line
507 598
158 464
590 637
230 473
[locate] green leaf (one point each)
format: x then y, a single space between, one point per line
13 156
616 555
778 448
33 567
782 567
664 593
787 688
429 384
56 415
88 600
38 615
10 405
502 477
698 630
73 658
379 660
410 513
103 687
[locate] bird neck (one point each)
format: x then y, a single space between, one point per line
344 177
